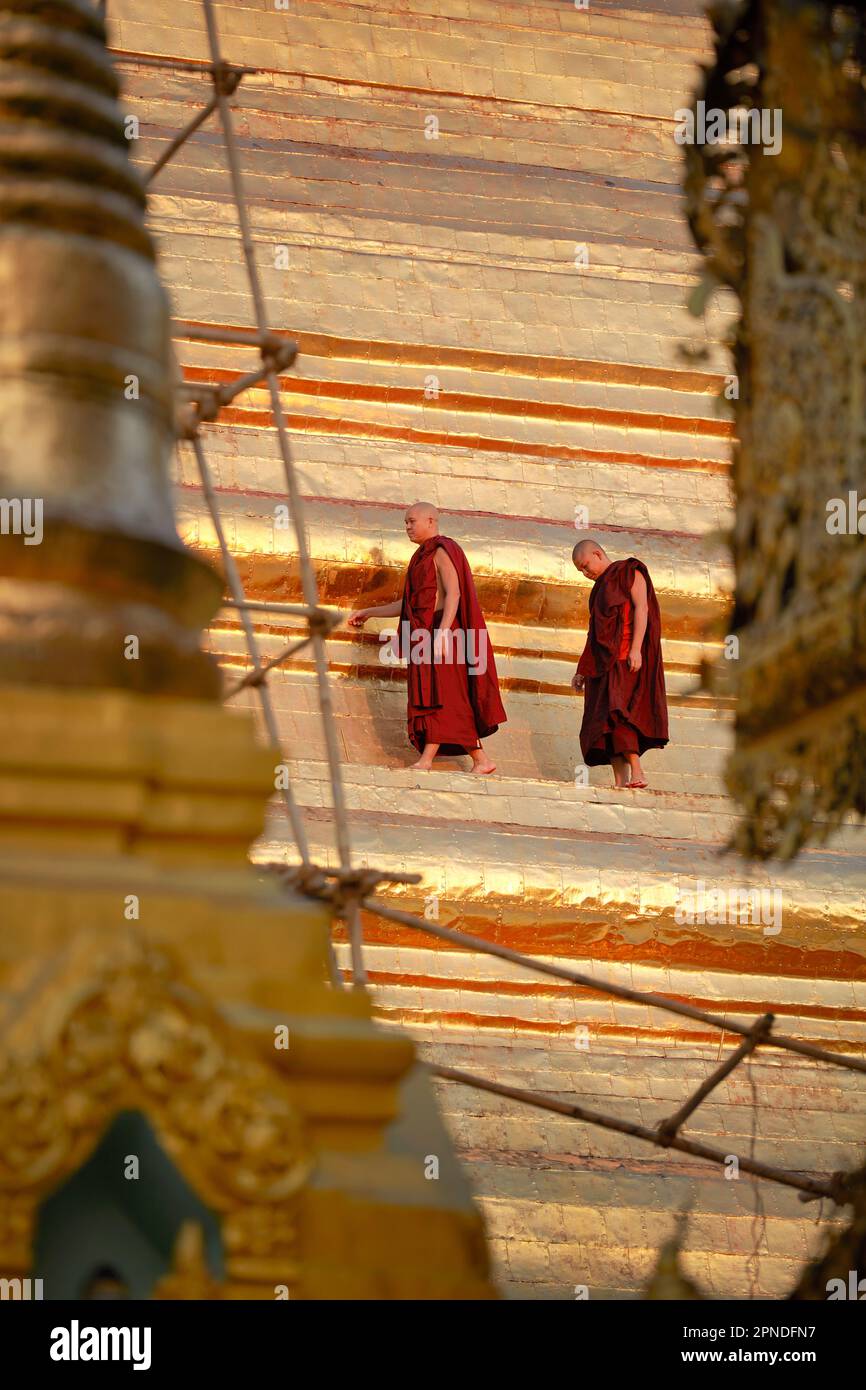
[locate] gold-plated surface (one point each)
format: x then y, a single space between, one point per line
144 964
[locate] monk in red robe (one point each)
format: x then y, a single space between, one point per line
452 686
620 672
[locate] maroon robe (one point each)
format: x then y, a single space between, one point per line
623 710
453 702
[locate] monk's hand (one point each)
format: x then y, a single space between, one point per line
635 660
358 619
577 681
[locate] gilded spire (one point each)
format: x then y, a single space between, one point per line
89 553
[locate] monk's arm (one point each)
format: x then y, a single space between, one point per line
385 610
451 585
641 617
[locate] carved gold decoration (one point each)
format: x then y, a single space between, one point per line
788 233
116 1028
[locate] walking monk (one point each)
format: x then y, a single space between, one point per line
452 687
621 673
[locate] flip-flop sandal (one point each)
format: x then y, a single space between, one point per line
636 786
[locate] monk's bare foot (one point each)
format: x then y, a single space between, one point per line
620 770
638 776
421 766
480 762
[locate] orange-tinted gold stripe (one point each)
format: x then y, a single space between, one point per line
520 989
536 603
510 364
563 935
470 403
612 1031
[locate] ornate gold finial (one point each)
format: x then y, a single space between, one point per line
190 1277
668 1282
89 554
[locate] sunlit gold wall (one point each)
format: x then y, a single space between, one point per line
469 215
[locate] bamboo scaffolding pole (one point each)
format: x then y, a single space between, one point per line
811 1186
180 139
256 678
229 391
234 582
308 579
288 610
758 1033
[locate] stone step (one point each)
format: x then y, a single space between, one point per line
676 780
666 499
688 399
628 438
286 170
736 995
504 801
499 801
363 656
648 327
583 1019
476 59
542 727
526 642
564 1259
577 876
342 533
548 1062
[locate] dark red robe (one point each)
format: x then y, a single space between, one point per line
622 709
453 702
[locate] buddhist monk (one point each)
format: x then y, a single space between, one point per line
620 672
452 687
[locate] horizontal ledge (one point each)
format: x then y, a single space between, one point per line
349 393
531 365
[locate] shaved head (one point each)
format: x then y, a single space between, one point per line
590 558
422 522
585 546
426 509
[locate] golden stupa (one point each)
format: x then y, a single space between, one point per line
154 990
